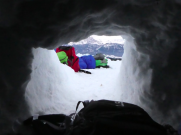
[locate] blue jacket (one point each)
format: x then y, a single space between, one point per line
90 61
82 64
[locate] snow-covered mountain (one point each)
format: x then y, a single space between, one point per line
107 49
100 40
109 45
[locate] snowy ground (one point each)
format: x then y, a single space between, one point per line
100 84
56 88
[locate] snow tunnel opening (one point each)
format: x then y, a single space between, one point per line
133 83
101 84
120 84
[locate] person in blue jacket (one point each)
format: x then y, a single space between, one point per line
87 62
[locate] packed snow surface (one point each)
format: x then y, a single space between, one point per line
56 88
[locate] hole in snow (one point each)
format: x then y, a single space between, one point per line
54 85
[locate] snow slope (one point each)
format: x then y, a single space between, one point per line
56 88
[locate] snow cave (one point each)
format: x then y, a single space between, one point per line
149 74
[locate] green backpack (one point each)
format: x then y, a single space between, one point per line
62 57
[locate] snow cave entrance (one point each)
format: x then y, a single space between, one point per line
55 87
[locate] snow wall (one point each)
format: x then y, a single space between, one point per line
48 90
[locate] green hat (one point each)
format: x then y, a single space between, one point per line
62 57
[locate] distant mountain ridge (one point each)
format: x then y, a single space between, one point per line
100 40
108 49
108 45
